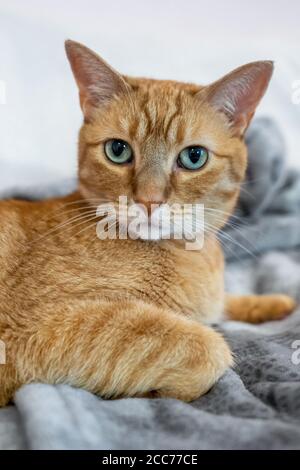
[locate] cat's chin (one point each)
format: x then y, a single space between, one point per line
149 232
154 232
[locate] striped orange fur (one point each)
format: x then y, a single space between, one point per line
129 317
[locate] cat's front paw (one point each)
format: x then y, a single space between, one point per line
276 307
205 358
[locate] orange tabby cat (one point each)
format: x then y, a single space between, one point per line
127 317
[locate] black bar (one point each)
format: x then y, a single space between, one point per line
140 458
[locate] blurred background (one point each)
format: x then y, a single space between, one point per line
190 40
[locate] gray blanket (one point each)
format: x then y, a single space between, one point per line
257 404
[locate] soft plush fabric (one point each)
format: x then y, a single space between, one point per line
269 204
257 404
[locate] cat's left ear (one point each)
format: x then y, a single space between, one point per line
97 81
238 93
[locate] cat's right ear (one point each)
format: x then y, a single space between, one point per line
96 80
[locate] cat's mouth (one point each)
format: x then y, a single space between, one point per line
151 231
163 222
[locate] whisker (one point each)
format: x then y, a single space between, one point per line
255 180
109 226
80 222
239 231
71 211
94 203
210 209
84 229
207 230
234 226
82 201
248 193
84 209
230 239
67 224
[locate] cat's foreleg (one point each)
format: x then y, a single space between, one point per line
126 348
258 308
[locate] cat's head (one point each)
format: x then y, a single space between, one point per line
163 142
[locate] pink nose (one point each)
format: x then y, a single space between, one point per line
149 206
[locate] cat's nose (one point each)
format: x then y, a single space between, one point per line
149 206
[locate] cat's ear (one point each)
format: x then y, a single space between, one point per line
96 80
238 93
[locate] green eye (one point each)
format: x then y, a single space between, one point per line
118 151
193 158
